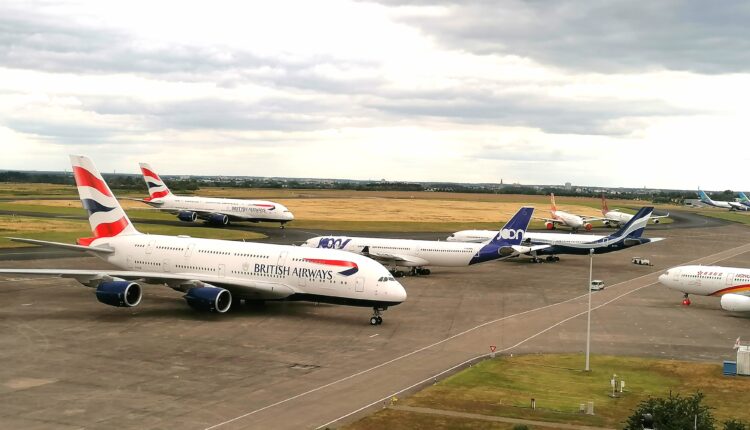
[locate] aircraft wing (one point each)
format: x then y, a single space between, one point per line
659 216
552 220
516 250
181 282
394 258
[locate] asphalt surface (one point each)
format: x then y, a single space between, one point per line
71 362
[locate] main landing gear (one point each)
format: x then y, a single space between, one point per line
376 318
686 300
549 259
418 271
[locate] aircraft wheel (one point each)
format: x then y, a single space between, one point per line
380 320
398 274
550 258
426 271
556 258
374 321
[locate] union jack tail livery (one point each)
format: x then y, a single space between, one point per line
106 217
156 187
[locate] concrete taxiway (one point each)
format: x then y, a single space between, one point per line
72 362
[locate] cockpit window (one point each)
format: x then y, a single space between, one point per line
386 279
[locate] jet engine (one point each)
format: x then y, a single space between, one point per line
220 219
209 299
123 294
735 303
606 223
549 225
587 226
187 216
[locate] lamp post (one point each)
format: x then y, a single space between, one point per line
588 318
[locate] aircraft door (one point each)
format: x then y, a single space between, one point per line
222 270
165 266
730 279
359 285
189 250
282 259
130 263
149 247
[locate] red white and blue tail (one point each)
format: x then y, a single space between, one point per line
106 217
156 187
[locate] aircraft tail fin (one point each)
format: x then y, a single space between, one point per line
605 207
743 198
634 228
704 197
156 187
553 205
514 230
106 216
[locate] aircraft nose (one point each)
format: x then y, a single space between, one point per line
398 291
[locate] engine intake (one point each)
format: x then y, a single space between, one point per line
123 294
588 226
187 216
220 219
209 299
735 303
549 225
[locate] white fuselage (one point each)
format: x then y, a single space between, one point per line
289 270
617 217
570 220
480 236
415 253
236 209
707 280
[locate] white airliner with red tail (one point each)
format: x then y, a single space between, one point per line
615 218
732 284
213 210
575 222
212 273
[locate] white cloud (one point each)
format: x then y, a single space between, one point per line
351 90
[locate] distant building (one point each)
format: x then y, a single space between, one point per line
568 186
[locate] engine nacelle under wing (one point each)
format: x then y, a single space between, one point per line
209 299
187 216
735 303
123 294
219 219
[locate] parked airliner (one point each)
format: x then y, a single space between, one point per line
553 244
212 273
743 199
732 284
615 218
213 210
417 254
575 222
732 206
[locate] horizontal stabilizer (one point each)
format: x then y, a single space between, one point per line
63 245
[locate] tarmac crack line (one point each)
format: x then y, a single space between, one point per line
393 360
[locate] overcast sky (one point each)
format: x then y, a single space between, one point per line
615 93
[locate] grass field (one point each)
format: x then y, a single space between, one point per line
739 217
337 210
504 387
67 231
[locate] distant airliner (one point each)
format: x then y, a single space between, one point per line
732 284
213 210
575 222
732 206
212 273
615 218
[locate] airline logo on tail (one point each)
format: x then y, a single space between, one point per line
106 217
156 187
553 206
605 207
513 232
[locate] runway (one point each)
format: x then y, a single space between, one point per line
72 362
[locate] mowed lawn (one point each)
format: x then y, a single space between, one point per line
504 387
337 210
67 231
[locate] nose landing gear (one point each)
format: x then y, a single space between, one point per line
376 318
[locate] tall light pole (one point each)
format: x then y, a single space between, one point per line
588 318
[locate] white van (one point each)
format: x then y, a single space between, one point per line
597 285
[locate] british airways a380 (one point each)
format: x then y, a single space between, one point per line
212 273
417 255
216 211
